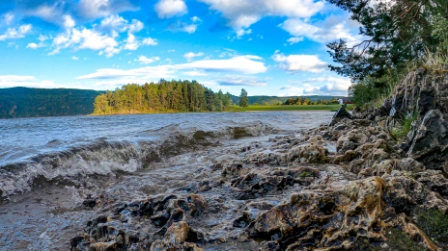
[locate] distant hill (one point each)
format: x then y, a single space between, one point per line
21 102
273 100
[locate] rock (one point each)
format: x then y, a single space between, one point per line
91 203
430 145
342 113
178 232
103 246
308 154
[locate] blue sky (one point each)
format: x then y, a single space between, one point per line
268 47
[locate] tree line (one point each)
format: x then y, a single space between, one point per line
306 101
22 102
164 96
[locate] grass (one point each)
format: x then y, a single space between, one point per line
405 127
266 108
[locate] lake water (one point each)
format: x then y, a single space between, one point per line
48 166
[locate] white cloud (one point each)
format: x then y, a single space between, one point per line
332 86
17 33
194 73
150 41
190 55
85 39
75 58
102 8
295 40
196 19
117 23
191 28
240 64
242 32
184 27
43 38
145 60
68 22
53 14
135 26
131 43
32 46
243 13
114 22
170 8
8 18
238 80
302 63
29 81
331 29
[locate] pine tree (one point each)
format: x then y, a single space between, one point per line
244 100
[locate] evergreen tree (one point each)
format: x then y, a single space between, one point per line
398 33
162 97
244 100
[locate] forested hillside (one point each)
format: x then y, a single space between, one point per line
20 102
165 96
274 100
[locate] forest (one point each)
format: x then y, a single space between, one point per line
164 96
21 102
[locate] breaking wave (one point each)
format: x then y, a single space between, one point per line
105 157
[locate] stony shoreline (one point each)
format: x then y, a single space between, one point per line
349 186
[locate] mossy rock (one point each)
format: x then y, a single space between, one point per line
397 240
307 174
434 224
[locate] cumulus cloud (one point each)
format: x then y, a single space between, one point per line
145 60
331 29
32 46
85 39
191 28
75 58
190 55
183 27
150 41
332 86
131 43
196 19
300 63
54 14
119 24
242 32
103 8
114 22
170 8
7 18
16 33
295 40
242 14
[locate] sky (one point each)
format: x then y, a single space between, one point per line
268 47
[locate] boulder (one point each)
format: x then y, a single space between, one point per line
430 144
341 114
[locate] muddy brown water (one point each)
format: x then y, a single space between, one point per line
49 166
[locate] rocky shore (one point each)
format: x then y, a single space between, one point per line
350 185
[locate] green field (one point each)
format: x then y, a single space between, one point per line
261 108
